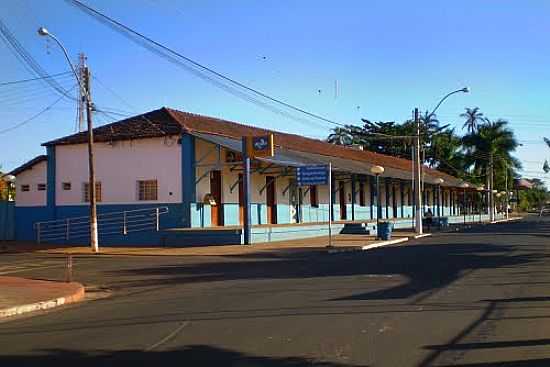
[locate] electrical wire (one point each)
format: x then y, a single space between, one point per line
33 117
198 69
33 79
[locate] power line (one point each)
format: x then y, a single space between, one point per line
30 119
27 60
169 53
33 79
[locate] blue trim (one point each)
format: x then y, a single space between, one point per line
188 177
50 183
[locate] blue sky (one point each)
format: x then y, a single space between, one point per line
387 57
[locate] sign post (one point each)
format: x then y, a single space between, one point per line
318 175
252 146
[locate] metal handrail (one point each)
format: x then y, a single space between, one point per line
122 222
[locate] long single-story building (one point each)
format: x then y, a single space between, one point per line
168 177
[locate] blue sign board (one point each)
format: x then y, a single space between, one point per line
312 175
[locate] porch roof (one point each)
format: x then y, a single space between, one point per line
292 158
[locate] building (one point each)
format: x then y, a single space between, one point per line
185 170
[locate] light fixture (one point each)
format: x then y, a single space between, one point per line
464 185
439 181
377 170
465 90
43 31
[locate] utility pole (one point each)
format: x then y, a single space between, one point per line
491 194
418 171
506 186
91 184
81 106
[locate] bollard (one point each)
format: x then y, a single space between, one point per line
69 268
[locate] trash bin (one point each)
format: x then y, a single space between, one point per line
384 230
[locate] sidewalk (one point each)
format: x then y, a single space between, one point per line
339 242
19 295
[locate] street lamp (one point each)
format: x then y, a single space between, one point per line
377 171
418 169
89 106
464 186
480 189
438 181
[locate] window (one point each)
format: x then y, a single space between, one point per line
313 197
361 194
41 187
86 192
25 188
147 190
66 186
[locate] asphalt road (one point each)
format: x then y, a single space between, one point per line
476 298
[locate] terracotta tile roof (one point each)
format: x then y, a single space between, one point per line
166 121
33 162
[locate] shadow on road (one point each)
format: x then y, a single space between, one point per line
427 267
195 355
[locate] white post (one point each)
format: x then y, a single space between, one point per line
67 229
158 214
124 228
330 204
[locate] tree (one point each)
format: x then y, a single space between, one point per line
473 119
492 139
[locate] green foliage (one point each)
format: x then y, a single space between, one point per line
465 157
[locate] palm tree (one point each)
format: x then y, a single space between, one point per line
340 136
492 139
473 118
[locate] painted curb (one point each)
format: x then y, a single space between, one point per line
368 247
44 305
417 236
505 220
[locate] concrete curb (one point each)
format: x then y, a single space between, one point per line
505 220
77 296
417 236
367 247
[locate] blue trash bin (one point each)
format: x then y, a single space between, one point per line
384 230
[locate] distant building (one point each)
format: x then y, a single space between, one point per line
191 165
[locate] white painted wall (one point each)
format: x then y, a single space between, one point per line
32 177
118 167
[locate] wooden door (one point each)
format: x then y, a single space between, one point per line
216 210
241 198
271 199
342 198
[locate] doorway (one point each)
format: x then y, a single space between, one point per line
216 209
241 199
342 198
271 199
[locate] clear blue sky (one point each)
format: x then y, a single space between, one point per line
387 56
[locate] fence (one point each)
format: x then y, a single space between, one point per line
123 223
7 220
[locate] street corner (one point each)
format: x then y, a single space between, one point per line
20 296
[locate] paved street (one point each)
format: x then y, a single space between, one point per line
480 298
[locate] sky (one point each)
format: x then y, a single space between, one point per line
386 57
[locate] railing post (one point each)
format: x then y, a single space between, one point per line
124 228
158 214
67 229
38 232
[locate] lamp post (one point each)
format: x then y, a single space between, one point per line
492 194
438 182
377 171
418 168
85 90
480 189
464 186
